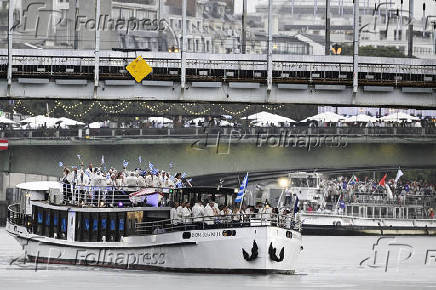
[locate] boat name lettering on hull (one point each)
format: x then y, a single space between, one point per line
206 234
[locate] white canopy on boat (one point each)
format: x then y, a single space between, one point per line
39 185
399 117
361 118
328 117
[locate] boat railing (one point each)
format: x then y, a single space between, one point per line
15 216
218 222
107 196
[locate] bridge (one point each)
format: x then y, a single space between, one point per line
215 150
217 78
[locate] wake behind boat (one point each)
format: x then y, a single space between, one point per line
133 228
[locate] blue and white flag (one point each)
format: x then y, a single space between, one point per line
102 159
296 209
179 184
242 188
125 163
61 164
171 165
140 159
184 175
150 165
78 156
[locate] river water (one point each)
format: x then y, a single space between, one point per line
326 263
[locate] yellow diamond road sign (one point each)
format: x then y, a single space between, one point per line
139 69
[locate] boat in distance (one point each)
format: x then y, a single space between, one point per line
108 227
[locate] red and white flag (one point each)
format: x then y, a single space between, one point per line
3 144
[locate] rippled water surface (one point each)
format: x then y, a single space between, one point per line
326 262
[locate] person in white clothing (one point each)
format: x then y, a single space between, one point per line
187 213
210 212
198 212
179 210
173 214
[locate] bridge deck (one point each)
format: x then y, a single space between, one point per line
69 74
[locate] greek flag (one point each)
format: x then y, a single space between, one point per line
171 165
102 159
140 159
242 188
78 156
184 175
150 165
61 164
125 163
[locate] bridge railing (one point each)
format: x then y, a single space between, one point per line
166 66
156 133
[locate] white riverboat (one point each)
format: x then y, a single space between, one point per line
365 214
102 227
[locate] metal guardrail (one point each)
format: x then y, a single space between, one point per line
222 67
104 196
156 133
218 222
15 216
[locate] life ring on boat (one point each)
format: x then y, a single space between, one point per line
254 253
337 223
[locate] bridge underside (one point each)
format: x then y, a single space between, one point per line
216 92
196 161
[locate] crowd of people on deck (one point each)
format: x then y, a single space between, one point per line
97 176
212 214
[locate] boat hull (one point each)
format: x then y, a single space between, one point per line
336 225
212 250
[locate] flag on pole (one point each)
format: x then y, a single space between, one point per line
296 209
389 192
125 163
382 181
171 165
150 165
140 159
184 175
102 159
4 144
242 188
399 174
61 164
78 156
353 180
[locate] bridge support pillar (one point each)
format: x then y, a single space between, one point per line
10 43
270 52
183 48
97 48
